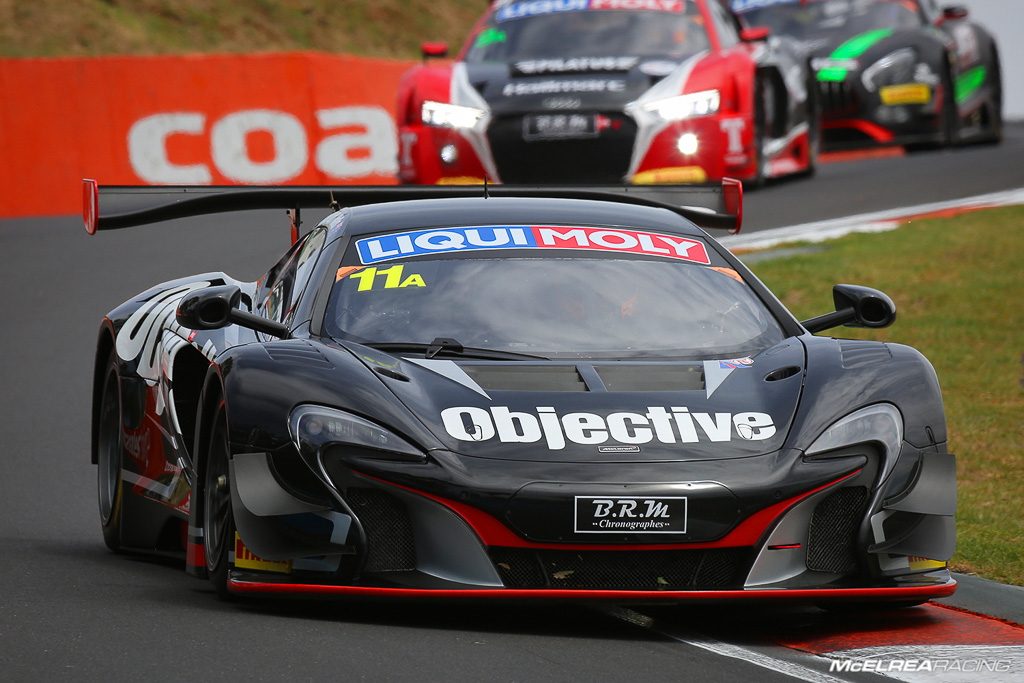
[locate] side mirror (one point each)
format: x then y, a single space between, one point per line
954 13
755 34
856 306
435 50
215 307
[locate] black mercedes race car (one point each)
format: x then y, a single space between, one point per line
893 71
519 393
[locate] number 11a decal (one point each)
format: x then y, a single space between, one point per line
390 278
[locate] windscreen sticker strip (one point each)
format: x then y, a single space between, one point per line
532 8
450 240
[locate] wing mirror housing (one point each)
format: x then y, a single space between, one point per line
755 34
954 13
856 306
215 307
435 50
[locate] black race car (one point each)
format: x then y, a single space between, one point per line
519 393
893 71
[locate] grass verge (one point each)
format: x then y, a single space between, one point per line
958 284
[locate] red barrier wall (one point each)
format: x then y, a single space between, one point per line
280 118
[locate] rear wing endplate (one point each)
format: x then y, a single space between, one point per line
110 207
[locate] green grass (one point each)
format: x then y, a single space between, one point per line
958 284
377 28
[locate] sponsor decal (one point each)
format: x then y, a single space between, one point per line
655 515
735 363
740 6
347 142
532 67
562 103
245 559
665 425
422 242
556 87
676 174
534 8
733 129
908 93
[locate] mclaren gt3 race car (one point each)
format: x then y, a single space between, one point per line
608 91
514 393
893 71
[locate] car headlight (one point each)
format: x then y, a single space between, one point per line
893 69
880 423
313 428
688 106
450 115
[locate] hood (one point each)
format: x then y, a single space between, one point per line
603 411
583 83
839 47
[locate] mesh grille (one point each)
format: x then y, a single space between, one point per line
621 569
837 97
390 546
597 160
831 538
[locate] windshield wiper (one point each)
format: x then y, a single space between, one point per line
451 347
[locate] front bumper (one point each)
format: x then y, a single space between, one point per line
391 540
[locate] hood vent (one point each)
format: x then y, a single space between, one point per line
520 377
297 353
651 377
856 353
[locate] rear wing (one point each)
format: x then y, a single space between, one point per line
111 207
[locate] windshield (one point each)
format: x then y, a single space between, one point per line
531 30
554 307
818 18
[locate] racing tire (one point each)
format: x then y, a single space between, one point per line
995 106
813 125
110 456
948 122
761 111
218 518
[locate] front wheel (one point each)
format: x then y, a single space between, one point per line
109 456
218 519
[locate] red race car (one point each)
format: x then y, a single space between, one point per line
608 91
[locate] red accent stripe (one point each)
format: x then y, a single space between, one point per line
873 130
195 555
493 533
902 593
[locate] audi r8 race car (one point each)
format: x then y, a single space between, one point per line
893 71
514 393
608 91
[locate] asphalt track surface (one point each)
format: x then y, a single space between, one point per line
70 610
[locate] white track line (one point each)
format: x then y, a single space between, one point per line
878 221
796 671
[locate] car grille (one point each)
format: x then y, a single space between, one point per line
385 520
640 570
603 159
837 98
832 535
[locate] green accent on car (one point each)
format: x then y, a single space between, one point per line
490 36
852 49
968 83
